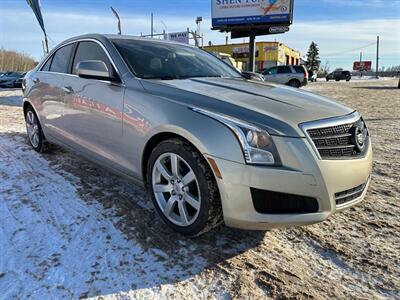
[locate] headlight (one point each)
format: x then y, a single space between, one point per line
257 145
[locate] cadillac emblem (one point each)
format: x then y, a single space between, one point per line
360 137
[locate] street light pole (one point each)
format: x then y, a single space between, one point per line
377 56
118 18
252 52
152 26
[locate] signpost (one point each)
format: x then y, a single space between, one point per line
250 18
181 37
362 66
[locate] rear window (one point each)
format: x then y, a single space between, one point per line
284 70
61 59
46 66
299 69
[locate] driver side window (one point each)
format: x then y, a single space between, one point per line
91 51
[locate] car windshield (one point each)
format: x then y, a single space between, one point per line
156 60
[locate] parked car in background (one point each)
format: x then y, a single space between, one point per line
228 59
11 80
238 65
253 75
294 76
19 81
339 75
209 145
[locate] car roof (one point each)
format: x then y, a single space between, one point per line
111 37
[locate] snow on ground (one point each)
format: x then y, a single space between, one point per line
82 251
69 229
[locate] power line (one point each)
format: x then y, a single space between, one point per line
350 50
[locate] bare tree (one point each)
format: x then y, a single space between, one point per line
14 61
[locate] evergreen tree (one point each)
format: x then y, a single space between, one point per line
313 61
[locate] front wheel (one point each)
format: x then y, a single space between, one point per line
183 188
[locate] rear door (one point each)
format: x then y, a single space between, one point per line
284 74
301 73
47 93
94 108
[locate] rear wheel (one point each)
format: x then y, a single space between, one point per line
34 130
294 83
183 188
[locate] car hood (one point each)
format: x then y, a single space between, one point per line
5 79
280 108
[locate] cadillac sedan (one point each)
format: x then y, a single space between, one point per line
210 145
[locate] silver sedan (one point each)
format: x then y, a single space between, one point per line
210 145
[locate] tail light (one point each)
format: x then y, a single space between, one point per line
305 74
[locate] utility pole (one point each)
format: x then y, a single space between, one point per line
152 26
360 56
377 56
252 52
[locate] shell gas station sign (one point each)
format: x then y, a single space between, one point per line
242 12
251 18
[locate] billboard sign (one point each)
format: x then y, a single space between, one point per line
181 37
362 65
245 12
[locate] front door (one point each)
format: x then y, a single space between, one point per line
94 109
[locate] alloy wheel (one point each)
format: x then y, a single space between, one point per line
32 127
176 189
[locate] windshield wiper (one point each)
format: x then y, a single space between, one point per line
166 77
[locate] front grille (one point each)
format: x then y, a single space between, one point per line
349 195
267 202
339 141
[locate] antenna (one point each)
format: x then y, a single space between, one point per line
118 18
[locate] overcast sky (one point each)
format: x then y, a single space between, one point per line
339 27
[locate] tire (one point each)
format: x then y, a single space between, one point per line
294 83
327 79
337 80
207 211
35 133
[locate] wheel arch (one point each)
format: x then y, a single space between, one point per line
162 136
26 103
25 106
294 79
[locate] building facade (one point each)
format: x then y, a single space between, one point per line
268 54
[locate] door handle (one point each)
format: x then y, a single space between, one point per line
67 89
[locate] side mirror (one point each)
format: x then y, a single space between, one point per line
94 69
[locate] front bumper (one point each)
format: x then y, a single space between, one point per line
304 175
